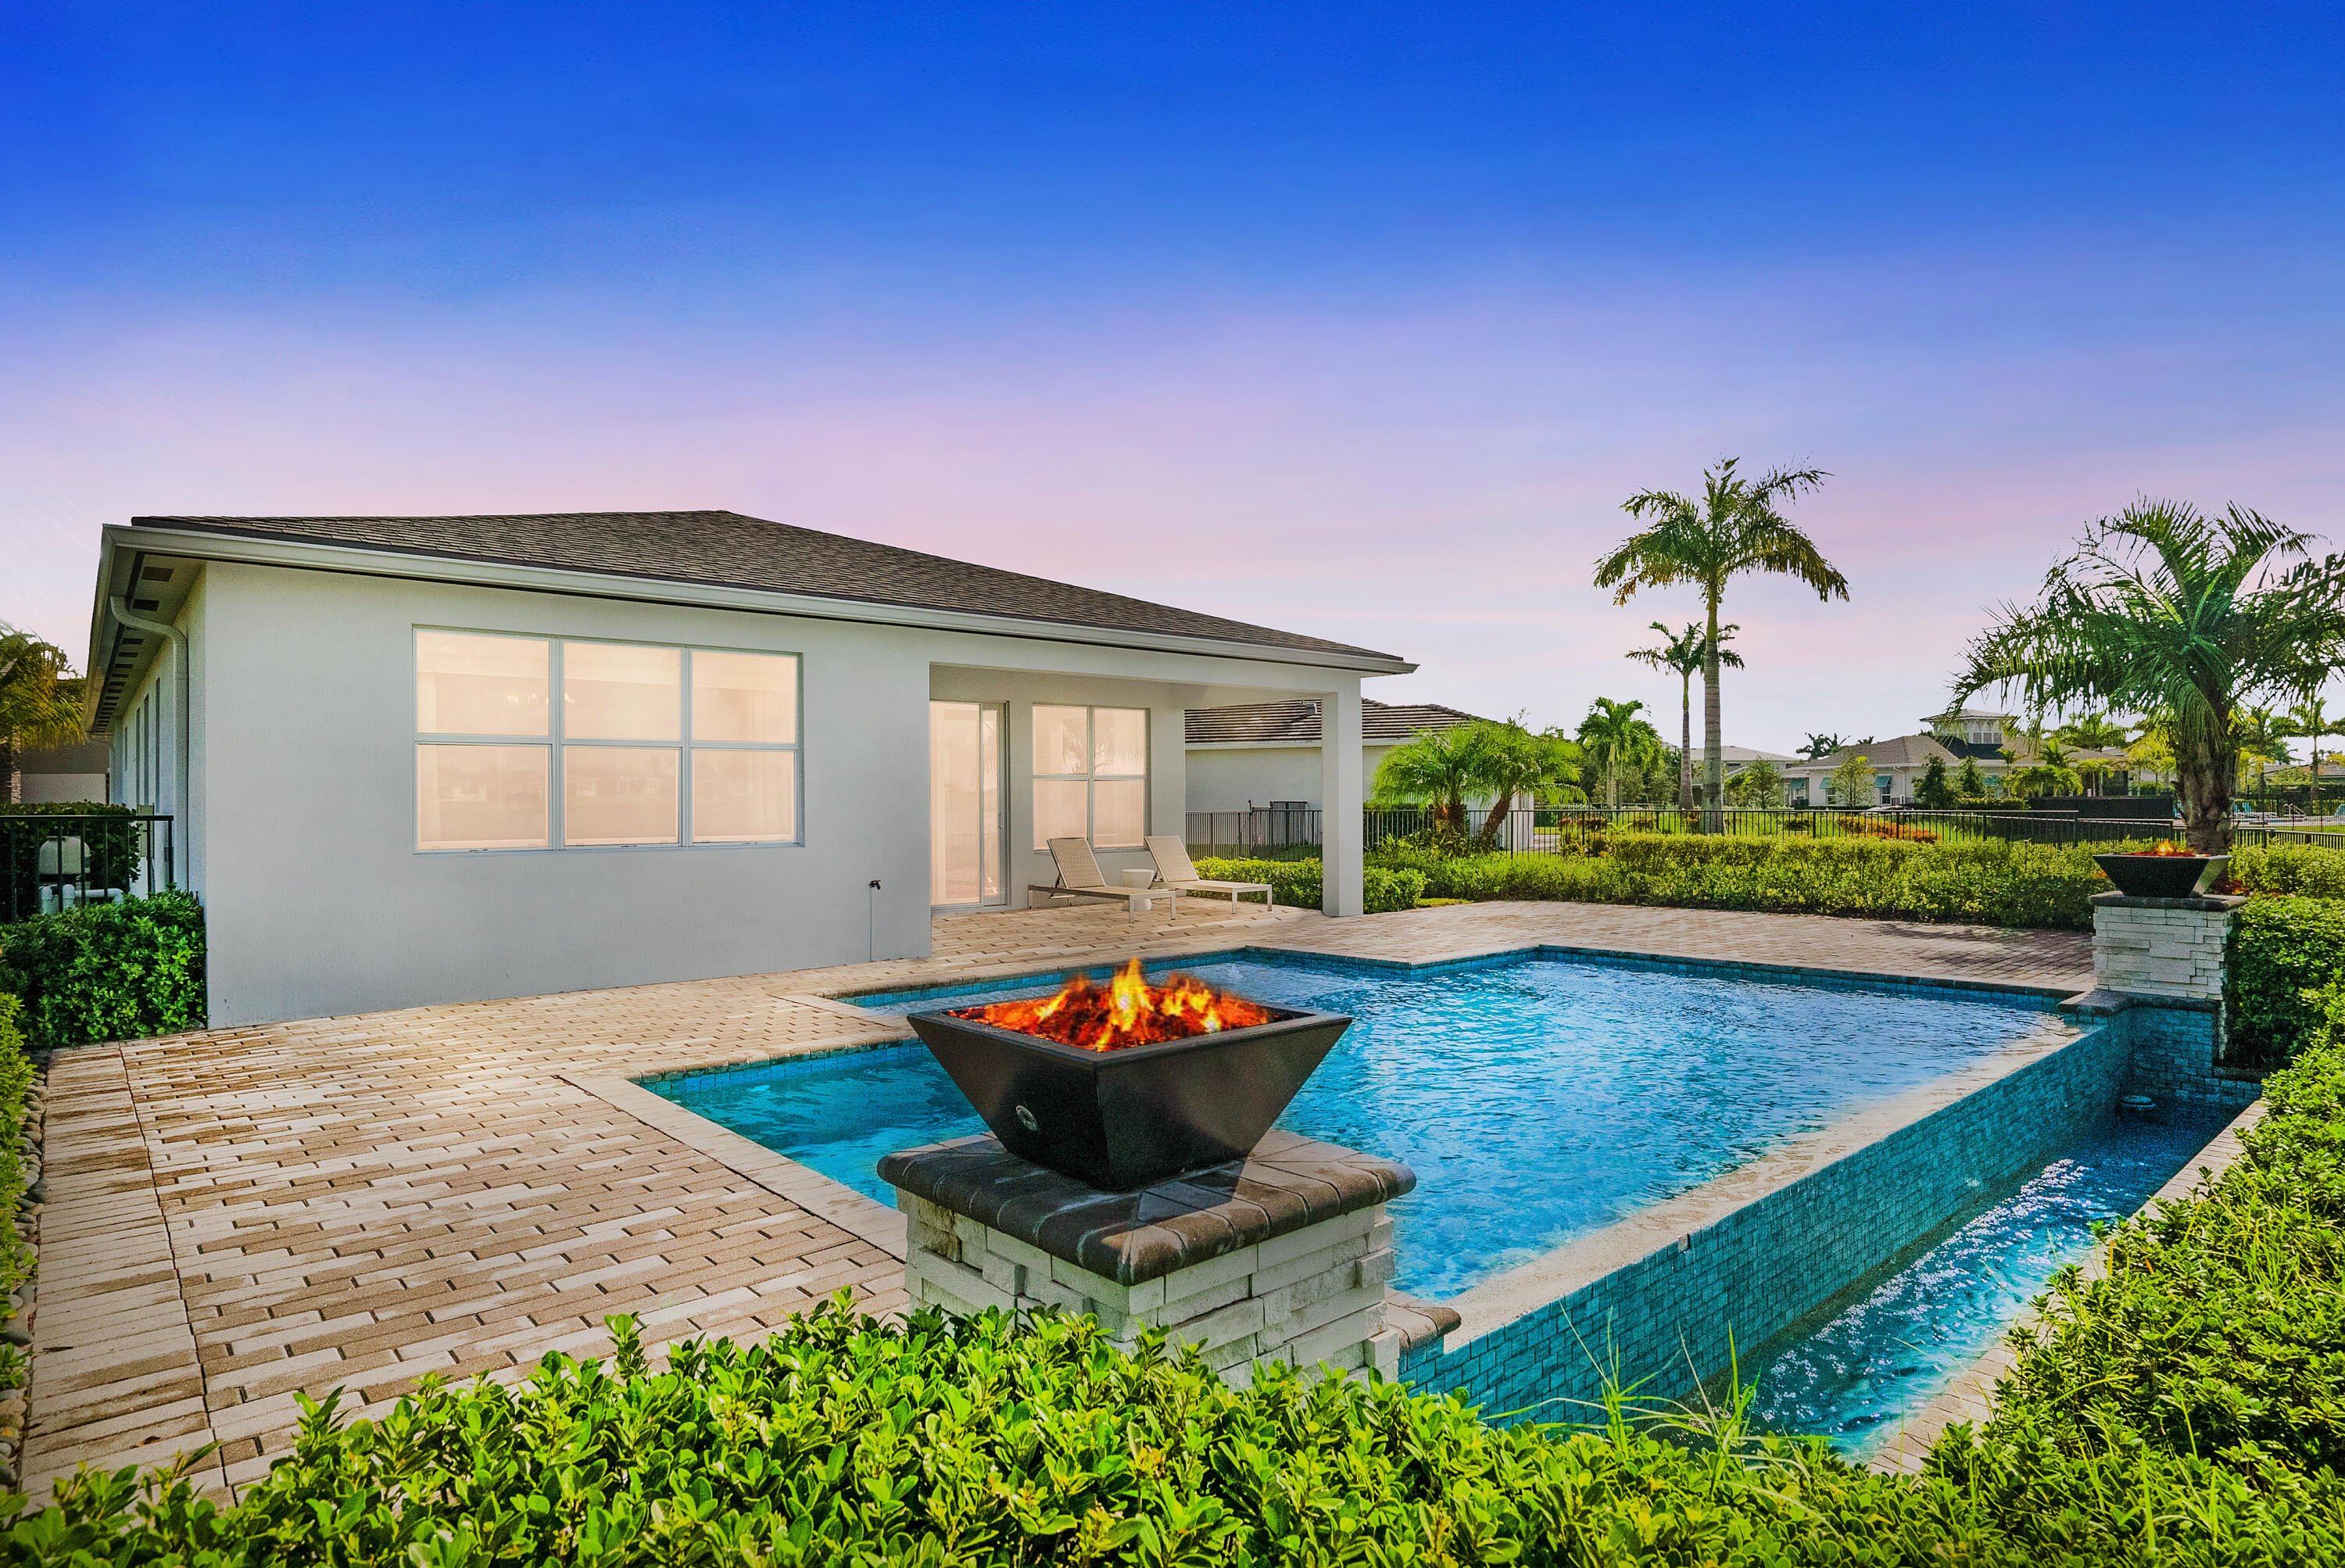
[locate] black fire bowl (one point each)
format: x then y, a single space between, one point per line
2162 876
1121 1120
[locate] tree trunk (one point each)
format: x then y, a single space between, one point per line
2202 777
1487 839
1685 740
1713 763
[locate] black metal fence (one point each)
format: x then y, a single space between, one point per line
1576 830
58 861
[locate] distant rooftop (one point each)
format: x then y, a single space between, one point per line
1297 722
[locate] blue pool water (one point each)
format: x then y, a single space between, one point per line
1537 1099
1893 1350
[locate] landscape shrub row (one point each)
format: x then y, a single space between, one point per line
2184 1410
1985 882
1297 884
106 971
15 1258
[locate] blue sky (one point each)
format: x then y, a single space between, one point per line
1359 321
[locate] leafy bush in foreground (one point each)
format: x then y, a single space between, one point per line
2281 949
108 972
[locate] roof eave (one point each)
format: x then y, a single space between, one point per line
319 556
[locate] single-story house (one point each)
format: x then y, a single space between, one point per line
1899 763
1735 759
1260 754
421 759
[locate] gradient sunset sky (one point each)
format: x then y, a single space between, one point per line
1355 320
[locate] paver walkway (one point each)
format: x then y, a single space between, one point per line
241 1214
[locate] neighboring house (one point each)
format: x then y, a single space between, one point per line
420 760
1738 758
56 773
1899 762
1252 754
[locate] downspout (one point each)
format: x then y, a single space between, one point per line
183 839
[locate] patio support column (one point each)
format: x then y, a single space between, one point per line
1342 794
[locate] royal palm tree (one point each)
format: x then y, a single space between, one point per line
1614 738
1686 653
1735 527
2162 609
40 700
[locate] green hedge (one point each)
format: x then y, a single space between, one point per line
2283 949
1987 882
108 972
2312 871
15 1258
1297 883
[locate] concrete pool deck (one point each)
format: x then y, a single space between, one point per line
240 1216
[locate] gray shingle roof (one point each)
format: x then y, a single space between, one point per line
1297 722
726 549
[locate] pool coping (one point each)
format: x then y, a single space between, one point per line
1970 1394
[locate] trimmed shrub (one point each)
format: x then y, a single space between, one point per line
2000 883
15 1258
108 972
2282 950
1297 884
2306 869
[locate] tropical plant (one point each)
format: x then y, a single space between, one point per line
1758 785
2094 731
1818 746
40 700
1687 652
2164 609
1437 771
1969 782
1614 738
1443 769
1735 527
2262 735
1934 789
2310 720
1851 781
1542 768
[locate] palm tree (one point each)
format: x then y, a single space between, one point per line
1685 652
1614 736
1438 770
1514 761
2312 720
2094 731
40 700
2161 609
1734 529
1819 746
2262 735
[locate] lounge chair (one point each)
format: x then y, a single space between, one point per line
1175 870
1079 876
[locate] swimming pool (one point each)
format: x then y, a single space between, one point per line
1536 1098
1884 1356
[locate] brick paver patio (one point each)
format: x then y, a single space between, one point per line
239 1216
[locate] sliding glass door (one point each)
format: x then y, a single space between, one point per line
966 824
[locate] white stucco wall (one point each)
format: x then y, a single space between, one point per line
1227 778
318 902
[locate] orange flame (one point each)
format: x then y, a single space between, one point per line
1127 1011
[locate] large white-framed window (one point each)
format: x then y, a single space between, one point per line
1090 775
541 743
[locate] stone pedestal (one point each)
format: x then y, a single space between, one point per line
2171 949
1281 1257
